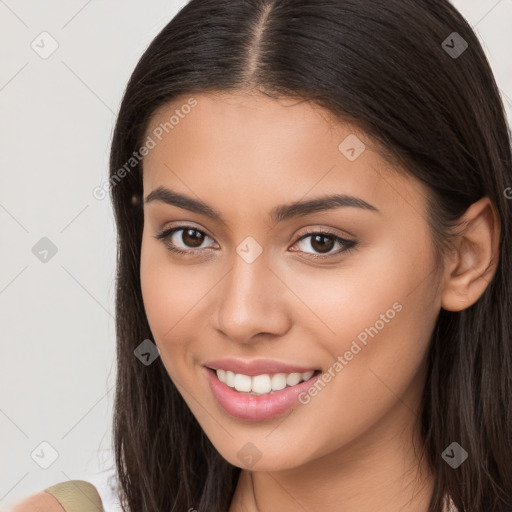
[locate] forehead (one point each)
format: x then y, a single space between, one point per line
249 147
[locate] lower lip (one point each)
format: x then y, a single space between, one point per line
254 407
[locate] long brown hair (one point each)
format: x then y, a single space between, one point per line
432 101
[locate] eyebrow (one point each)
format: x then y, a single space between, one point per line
277 214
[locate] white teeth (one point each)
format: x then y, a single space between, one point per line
242 382
261 384
278 381
293 379
307 375
230 379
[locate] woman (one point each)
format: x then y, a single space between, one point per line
314 263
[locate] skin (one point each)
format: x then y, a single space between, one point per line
355 446
40 502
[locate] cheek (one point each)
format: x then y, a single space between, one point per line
376 314
164 292
173 296
367 289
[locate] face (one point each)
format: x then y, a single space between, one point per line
345 289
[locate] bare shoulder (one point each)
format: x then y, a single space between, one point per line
39 502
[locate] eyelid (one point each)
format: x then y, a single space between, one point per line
187 224
326 231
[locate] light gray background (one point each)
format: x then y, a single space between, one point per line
57 348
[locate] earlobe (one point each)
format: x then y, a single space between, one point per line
476 256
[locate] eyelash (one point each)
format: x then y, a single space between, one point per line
349 245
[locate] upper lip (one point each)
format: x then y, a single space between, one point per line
256 367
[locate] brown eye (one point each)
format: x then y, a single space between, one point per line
186 240
322 244
192 237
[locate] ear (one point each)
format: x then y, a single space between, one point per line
474 258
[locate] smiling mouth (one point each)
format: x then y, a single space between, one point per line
263 384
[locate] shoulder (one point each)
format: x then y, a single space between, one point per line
69 496
39 502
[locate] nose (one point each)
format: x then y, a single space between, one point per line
253 302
